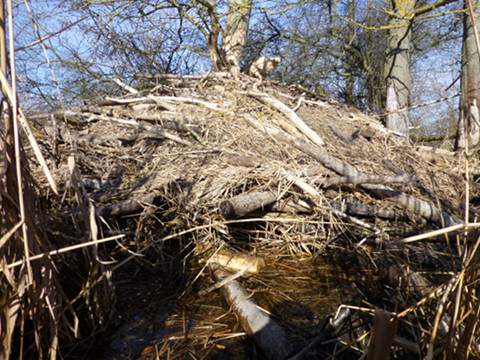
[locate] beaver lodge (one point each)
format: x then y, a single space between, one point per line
213 217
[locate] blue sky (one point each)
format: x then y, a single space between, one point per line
433 70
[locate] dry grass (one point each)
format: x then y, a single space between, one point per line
203 155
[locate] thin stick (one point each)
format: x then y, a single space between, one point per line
42 39
433 294
125 86
10 233
7 90
67 249
188 231
416 106
291 115
223 282
446 230
18 163
438 317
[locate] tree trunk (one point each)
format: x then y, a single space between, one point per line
397 66
216 54
470 97
3 41
351 58
235 37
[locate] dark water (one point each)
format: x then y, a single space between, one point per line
158 321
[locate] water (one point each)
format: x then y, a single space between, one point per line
157 321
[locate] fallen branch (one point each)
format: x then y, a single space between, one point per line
364 179
291 115
269 336
359 209
435 150
158 77
410 202
126 207
152 132
291 207
125 86
91 113
222 282
163 101
190 100
317 200
67 249
167 122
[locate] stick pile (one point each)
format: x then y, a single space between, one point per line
203 163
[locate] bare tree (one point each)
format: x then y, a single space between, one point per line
225 46
468 121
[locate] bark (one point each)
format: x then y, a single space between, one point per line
352 208
397 67
292 207
351 58
3 41
215 53
126 207
365 179
214 30
244 204
235 37
468 126
362 210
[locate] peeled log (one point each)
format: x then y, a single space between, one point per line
244 204
291 115
237 262
269 336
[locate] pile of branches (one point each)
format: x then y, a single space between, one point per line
212 162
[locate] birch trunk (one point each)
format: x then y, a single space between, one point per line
235 38
397 66
468 122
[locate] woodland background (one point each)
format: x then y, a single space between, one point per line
333 47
